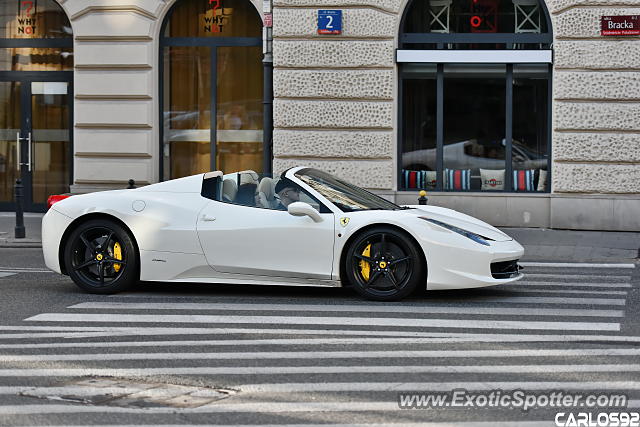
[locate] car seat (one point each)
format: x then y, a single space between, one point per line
229 190
266 193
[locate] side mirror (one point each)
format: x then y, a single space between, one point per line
304 209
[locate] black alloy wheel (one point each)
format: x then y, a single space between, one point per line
384 264
100 257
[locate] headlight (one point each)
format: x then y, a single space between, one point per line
468 234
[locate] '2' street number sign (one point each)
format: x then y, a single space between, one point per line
329 22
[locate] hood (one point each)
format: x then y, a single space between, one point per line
460 220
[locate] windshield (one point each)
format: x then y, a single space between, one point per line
347 197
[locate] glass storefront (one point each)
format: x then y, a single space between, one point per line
36 63
467 125
212 88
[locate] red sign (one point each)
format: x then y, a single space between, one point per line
628 25
268 20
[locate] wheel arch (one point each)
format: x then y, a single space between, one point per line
88 217
368 227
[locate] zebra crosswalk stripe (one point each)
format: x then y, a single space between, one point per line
323 369
315 355
350 308
342 321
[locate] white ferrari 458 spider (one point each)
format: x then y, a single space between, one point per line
304 228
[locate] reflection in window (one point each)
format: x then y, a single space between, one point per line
474 126
474 146
530 123
33 19
419 126
212 94
239 108
222 18
187 112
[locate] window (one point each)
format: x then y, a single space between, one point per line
211 88
475 102
35 36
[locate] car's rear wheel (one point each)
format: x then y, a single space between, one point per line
383 264
100 257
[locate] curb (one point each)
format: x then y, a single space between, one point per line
20 243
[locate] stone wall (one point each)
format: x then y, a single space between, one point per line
596 120
596 126
335 96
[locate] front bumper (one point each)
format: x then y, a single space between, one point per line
469 265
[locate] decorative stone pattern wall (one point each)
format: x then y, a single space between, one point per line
596 121
335 96
596 135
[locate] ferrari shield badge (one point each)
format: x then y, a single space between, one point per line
344 221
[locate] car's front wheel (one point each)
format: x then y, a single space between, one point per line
100 257
384 264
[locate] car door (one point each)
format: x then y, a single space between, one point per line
248 240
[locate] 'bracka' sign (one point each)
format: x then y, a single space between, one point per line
628 25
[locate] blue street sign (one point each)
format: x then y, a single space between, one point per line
329 22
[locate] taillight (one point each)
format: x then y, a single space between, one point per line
55 199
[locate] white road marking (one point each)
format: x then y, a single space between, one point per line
319 369
437 386
529 290
342 321
575 265
386 424
314 355
249 407
551 276
349 387
82 331
473 299
526 284
350 308
217 407
17 270
256 342
3 274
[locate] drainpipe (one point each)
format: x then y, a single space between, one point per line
267 97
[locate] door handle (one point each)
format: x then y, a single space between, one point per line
207 218
18 157
18 160
29 152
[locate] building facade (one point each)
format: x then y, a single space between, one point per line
519 112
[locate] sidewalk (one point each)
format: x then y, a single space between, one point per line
32 225
540 244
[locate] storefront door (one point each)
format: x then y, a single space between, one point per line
212 88
35 142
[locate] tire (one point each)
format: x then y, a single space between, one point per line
395 265
90 256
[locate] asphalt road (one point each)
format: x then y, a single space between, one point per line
166 354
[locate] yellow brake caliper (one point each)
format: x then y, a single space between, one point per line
365 268
117 254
